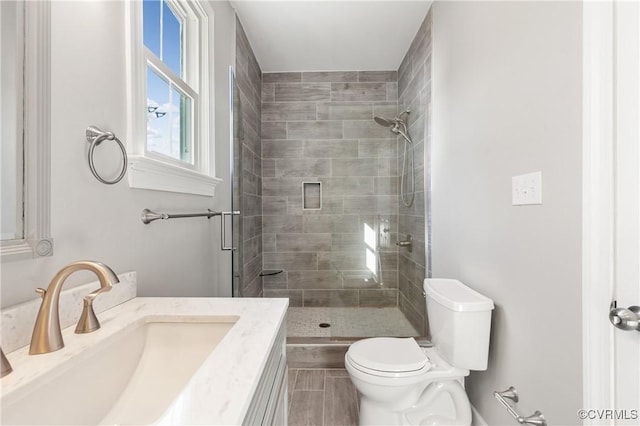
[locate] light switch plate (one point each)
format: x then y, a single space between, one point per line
527 189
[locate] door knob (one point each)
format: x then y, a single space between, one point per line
625 318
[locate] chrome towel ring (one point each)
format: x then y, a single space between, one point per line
95 136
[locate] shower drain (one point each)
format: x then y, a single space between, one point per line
324 325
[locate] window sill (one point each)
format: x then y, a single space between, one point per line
145 173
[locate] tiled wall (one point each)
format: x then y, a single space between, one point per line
248 164
414 88
318 127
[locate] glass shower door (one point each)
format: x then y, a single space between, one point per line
236 185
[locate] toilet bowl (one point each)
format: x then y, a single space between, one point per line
432 392
400 383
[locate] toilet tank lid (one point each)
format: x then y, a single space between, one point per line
456 296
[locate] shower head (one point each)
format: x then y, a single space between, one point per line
395 124
388 122
383 121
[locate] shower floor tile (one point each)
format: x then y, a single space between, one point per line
348 322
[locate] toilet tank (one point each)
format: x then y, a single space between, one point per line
460 321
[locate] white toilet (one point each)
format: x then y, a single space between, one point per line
401 383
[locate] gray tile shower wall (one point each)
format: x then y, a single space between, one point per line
414 88
318 127
248 163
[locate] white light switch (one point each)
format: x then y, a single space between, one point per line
527 189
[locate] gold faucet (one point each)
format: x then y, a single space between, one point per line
47 335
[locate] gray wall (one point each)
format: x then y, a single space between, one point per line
95 221
507 101
318 126
414 87
248 170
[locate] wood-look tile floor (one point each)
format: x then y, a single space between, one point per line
322 397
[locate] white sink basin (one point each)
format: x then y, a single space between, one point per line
132 377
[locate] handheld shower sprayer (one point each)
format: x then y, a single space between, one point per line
404 133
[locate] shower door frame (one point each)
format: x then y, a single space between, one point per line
237 274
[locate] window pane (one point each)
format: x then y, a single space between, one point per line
151 25
183 125
158 106
169 118
171 40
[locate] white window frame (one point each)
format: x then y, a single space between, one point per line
151 170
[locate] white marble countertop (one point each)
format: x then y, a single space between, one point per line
220 391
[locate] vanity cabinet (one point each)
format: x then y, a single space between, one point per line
269 403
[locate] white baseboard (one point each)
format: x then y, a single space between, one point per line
476 418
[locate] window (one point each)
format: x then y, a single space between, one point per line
171 97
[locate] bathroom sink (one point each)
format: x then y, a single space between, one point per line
131 377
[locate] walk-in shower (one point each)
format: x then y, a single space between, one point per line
398 126
330 173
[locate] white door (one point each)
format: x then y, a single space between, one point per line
626 290
611 228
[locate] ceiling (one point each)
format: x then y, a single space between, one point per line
330 35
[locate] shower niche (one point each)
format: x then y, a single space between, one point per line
312 195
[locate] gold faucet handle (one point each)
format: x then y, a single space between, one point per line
88 321
103 289
6 367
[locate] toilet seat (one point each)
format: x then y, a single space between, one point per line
389 357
